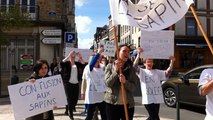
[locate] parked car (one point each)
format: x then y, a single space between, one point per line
187 84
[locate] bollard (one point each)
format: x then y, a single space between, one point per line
177 103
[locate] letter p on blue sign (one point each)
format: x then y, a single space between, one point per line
69 37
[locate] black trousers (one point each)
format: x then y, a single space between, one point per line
117 112
72 91
91 109
153 111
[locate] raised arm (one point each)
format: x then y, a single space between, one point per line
169 69
68 56
95 58
140 50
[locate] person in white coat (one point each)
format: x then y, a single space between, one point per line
95 87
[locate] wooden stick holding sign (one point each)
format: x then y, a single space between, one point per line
120 72
201 28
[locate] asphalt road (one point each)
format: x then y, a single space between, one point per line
187 112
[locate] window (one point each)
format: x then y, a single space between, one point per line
29 7
191 58
194 74
191 27
6 4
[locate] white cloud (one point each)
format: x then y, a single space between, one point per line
80 3
85 43
83 24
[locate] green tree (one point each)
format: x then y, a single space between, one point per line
14 18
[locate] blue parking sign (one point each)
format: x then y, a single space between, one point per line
69 37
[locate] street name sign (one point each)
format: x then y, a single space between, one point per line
52 40
55 32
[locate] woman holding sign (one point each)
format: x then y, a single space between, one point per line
151 88
113 95
41 70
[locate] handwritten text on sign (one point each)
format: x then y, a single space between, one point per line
109 48
157 44
148 15
29 99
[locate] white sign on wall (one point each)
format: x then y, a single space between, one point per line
29 99
157 44
86 53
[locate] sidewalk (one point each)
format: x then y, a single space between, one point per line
6 112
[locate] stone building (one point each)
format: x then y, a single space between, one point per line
44 39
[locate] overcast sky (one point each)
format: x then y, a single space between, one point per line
90 14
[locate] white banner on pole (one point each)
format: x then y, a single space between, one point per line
150 15
157 44
86 53
29 99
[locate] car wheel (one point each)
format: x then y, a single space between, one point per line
170 97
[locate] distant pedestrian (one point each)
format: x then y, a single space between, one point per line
53 65
150 80
206 89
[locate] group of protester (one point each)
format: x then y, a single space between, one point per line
101 84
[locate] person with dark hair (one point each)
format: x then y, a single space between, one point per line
40 70
113 96
71 74
150 80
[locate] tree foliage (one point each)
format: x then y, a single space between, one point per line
12 18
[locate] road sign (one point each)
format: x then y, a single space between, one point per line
69 37
26 61
52 40
56 32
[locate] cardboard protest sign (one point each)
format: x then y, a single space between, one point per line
29 99
157 44
109 48
86 53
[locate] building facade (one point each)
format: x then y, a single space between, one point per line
43 39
